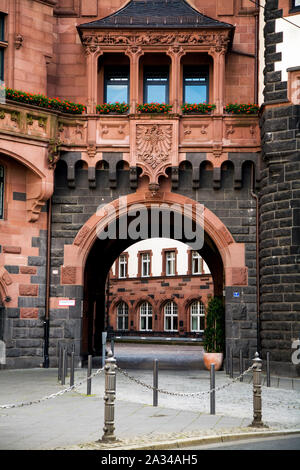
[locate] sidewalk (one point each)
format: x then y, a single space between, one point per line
72 420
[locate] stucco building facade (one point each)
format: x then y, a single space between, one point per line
63 171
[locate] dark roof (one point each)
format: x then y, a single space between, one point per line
152 14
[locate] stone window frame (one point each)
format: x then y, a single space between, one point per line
164 261
140 262
3 44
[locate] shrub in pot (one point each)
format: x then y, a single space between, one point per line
214 334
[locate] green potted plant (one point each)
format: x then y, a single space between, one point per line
214 334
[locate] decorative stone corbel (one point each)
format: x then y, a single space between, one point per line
19 41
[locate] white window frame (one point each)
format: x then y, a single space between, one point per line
146 313
122 314
145 262
196 258
170 259
197 310
122 266
170 311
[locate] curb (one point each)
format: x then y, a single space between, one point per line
213 439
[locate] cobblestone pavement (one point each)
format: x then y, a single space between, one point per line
75 418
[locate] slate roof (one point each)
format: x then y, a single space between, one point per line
153 14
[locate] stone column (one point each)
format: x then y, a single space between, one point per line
218 54
92 54
134 53
175 52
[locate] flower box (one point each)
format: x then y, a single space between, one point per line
197 108
43 101
235 108
112 108
157 108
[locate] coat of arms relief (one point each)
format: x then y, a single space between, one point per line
153 149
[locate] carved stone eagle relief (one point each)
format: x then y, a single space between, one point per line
153 147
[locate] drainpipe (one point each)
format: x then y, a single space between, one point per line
256 67
257 257
47 296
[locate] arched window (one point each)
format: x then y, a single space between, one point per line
146 316
1 192
122 311
197 313
171 317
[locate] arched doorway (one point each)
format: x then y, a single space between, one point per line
90 258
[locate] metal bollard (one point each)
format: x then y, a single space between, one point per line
227 362
104 338
268 370
72 369
257 413
112 346
241 365
212 393
63 367
155 382
231 364
59 372
109 398
89 372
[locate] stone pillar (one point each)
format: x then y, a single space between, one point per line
218 54
134 53
175 52
92 54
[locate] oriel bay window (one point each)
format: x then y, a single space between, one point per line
156 85
195 84
116 84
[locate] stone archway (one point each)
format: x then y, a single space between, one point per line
225 257
232 253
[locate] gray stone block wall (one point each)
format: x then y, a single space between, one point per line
279 212
236 208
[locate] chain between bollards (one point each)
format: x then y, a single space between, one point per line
109 399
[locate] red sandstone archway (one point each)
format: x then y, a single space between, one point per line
232 253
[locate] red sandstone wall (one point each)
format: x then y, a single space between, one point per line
33 21
16 237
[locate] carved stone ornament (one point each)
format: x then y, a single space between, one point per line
153 146
93 41
18 41
53 153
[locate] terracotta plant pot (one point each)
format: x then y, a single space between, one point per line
213 358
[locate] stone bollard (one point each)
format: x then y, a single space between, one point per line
257 411
109 399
